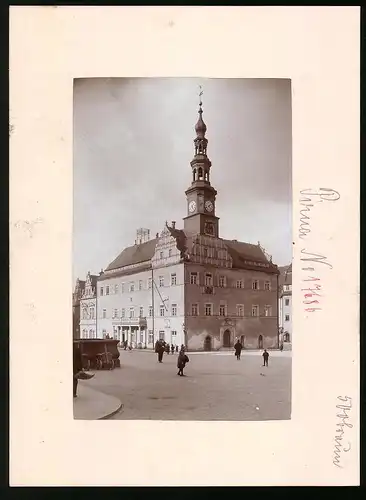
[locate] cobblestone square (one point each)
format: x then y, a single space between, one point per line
216 387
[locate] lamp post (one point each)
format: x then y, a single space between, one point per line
185 335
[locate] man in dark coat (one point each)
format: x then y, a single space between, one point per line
161 350
265 357
238 347
77 366
182 361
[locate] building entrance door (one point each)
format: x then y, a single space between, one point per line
226 339
207 346
260 342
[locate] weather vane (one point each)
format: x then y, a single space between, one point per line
200 94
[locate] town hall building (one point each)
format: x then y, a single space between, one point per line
188 285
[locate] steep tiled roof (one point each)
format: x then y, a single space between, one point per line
285 275
134 255
180 238
245 254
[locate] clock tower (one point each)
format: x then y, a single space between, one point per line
201 196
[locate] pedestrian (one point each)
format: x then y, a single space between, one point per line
265 357
125 344
172 348
167 348
157 343
238 347
77 370
281 347
161 350
176 348
182 361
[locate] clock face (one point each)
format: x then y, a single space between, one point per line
192 206
209 206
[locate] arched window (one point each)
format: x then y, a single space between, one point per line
90 334
200 175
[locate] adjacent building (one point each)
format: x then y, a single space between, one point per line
285 304
88 308
76 297
188 285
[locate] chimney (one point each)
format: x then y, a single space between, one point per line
173 224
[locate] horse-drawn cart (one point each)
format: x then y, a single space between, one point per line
99 354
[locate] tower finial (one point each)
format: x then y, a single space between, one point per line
200 95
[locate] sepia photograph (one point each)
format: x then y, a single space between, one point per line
182 249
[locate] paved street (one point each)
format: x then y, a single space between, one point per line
217 387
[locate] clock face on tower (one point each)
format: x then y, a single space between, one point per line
209 206
192 206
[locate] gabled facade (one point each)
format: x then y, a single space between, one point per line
190 286
88 308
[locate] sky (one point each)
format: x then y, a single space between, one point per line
133 143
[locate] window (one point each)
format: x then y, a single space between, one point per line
161 281
141 337
174 333
132 286
92 312
173 279
123 313
162 310
141 314
151 337
208 309
287 302
255 285
255 310
104 313
85 334
174 309
149 283
222 310
170 252
267 310
140 284
161 255
286 288
115 288
115 313
107 290
205 252
194 309
287 317
104 332
101 291
85 313
193 279
132 312
267 286
161 334
240 310
239 284
208 279
222 281
122 288
150 311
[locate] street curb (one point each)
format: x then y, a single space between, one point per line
114 412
